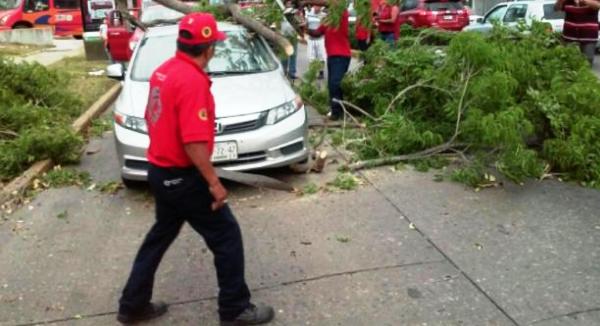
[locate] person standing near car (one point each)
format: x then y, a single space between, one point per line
388 21
315 45
337 46
581 24
180 117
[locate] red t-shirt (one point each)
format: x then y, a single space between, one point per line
362 33
180 110
337 41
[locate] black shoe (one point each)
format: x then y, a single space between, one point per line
151 311
253 315
333 117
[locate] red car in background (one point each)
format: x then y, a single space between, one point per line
121 42
64 16
445 14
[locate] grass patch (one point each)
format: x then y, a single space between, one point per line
15 49
88 87
345 181
61 177
100 125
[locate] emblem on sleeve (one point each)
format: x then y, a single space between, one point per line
203 114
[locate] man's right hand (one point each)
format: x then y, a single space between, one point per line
219 193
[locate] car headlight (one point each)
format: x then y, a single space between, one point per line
283 111
131 123
3 20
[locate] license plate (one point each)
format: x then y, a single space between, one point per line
448 17
225 151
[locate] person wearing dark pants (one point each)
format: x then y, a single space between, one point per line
337 66
180 117
337 46
581 24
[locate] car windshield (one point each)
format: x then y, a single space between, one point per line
157 12
9 4
443 5
550 13
241 53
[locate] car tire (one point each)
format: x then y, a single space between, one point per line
132 184
21 26
78 37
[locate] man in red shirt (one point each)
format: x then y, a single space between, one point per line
581 24
387 21
337 46
180 116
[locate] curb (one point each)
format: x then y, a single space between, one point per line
20 183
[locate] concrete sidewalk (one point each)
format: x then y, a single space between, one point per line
63 48
508 256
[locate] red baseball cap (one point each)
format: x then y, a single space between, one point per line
202 27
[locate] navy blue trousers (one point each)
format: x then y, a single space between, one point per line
337 66
182 195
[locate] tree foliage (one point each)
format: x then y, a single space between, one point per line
519 101
35 114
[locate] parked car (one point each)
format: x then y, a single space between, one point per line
512 13
63 15
445 14
260 121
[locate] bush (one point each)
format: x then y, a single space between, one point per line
35 112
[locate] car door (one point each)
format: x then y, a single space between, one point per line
515 14
117 36
496 14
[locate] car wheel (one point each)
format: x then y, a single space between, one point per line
132 184
78 37
21 26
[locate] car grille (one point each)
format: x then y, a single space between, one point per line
244 126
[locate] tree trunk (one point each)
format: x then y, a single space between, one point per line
248 22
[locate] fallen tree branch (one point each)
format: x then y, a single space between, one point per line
239 17
254 180
450 145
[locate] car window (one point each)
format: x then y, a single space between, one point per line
409 5
9 4
66 4
550 13
495 15
240 53
515 12
443 5
156 12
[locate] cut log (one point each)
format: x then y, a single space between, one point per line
237 15
319 164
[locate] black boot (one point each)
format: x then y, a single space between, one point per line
253 315
151 311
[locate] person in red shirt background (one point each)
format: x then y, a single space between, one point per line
337 46
180 116
388 23
581 24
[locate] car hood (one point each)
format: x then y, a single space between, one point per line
234 95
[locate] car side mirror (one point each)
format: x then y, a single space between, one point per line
115 71
479 20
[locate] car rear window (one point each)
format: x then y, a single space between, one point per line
550 13
443 5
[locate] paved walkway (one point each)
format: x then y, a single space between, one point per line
63 48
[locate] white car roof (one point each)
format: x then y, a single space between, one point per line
172 29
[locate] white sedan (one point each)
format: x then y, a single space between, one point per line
260 121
